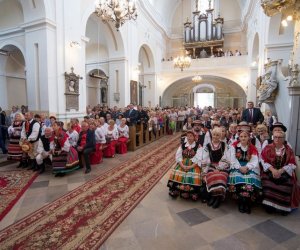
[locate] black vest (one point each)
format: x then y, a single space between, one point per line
46 143
30 130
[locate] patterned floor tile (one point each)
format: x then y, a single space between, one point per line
229 243
39 184
193 216
254 239
274 231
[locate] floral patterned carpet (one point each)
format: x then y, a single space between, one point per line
12 185
85 217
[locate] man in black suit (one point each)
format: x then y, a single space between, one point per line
131 115
252 115
86 145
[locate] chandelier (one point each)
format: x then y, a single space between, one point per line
117 11
197 78
182 62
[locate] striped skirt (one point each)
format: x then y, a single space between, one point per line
65 162
251 178
14 149
277 195
189 181
216 182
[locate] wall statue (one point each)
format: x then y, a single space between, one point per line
72 90
268 83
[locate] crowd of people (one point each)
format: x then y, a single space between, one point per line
217 53
224 152
244 156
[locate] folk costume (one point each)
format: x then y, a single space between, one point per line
217 160
111 141
65 157
14 149
244 187
30 135
182 182
283 193
122 140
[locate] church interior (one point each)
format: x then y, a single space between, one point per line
64 58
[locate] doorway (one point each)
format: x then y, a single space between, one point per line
204 99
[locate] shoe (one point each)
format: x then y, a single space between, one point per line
217 202
269 209
41 168
211 201
284 213
248 209
87 170
241 207
173 193
195 197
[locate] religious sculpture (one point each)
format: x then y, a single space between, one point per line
269 83
72 90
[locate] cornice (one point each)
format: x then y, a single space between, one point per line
39 23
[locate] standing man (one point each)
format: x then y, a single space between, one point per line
131 115
252 115
30 135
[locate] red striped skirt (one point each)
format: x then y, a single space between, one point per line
122 145
216 182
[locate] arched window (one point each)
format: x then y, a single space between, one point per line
203 5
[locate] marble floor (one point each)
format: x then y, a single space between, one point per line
160 222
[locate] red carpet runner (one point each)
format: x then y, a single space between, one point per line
85 217
12 185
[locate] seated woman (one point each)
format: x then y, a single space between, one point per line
73 135
112 135
188 125
244 178
64 157
185 178
14 131
279 178
123 137
96 157
216 159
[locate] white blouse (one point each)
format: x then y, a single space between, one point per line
123 132
196 159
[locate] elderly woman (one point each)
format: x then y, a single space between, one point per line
123 137
64 156
14 131
185 177
244 178
279 179
112 136
216 159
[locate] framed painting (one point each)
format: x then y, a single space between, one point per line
133 92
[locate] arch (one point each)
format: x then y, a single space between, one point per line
185 87
202 86
13 77
114 38
15 44
96 88
12 18
146 58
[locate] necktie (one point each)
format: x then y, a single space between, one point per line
251 115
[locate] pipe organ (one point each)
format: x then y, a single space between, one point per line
204 36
